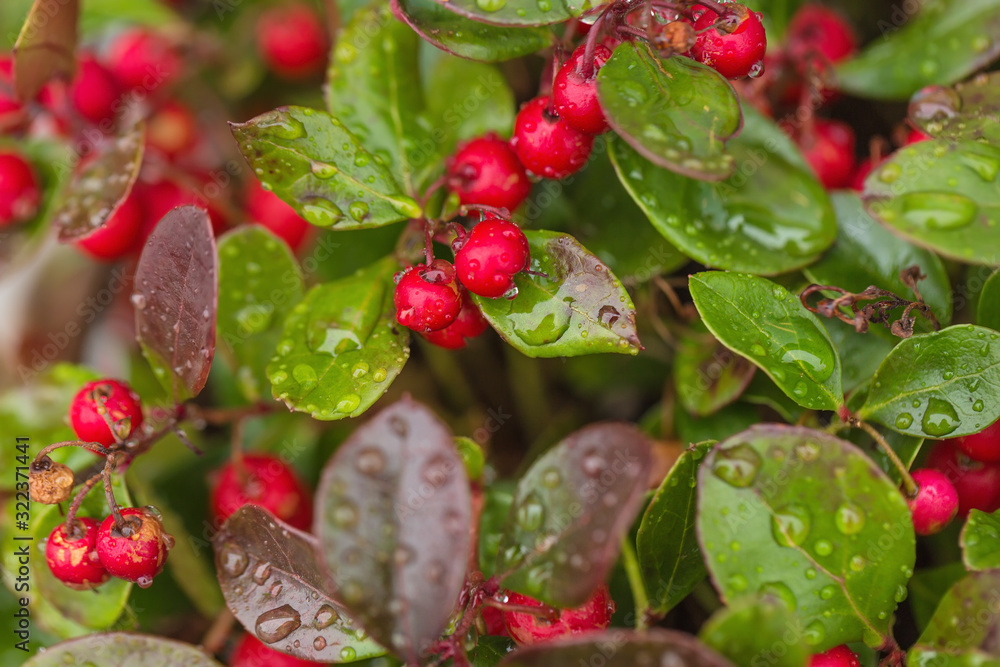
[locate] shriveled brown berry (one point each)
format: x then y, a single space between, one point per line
49 482
675 37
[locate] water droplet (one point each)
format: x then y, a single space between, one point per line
903 420
780 591
758 350
857 563
254 318
325 617
814 633
937 210
319 643
823 547
900 594
305 376
275 625
738 465
348 403
551 478
790 524
827 592
370 461
890 173
984 166
233 559
978 406
593 464
348 654
282 125
321 212
379 375
324 170
139 301
940 418
531 513
262 573
358 210
345 514
360 369
849 519
491 5
737 583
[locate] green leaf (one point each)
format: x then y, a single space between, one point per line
964 628
938 384
259 283
761 321
746 223
928 586
341 347
570 512
676 112
707 375
464 37
865 253
467 100
123 649
497 499
490 651
755 631
578 307
797 514
313 162
906 447
666 544
724 423
520 12
860 354
95 15
945 42
941 196
988 308
966 111
763 391
981 541
619 648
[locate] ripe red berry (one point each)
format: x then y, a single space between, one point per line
525 629
936 501
983 446
118 235
468 324
817 33
138 552
117 397
143 59
733 45
172 130
977 484
252 652
829 150
915 137
266 481
574 91
493 620
861 174
12 111
268 210
427 298
94 91
486 171
291 40
73 559
838 656
490 256
546 145
19 191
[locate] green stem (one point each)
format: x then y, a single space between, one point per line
631 563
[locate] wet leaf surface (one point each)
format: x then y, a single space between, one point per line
620 648
981 541
860 354
122 649
393 520
756 631
519 12
176 297
570 512
579 307
341 347
490 651
808 519
966 111
46 46
906 447
988 308
275 583
707 375
965 628
938 384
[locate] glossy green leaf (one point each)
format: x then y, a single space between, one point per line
619 648
761 321
676 112
707 375
464 37
259 283
860 354
123 649
981 541
746 223
865 253
755 631
988 308
341 347
313 162
928 587
497 499
763 391
570 512
942 196
939 384
945 42
797 514
666 544
489 651
520 12
906 447
95 15
466 100
963 631
578 307
966 111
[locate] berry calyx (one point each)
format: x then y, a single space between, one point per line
264 480
291 40
19 190
252 652
138 551
574 91
427 298
118 235
72 557
829 150
733 44
271 212
545 144
486 171
838 656
592 615
143 59
117 398
94 91
468 324
820 36
977 484
983 446
490 256
935 504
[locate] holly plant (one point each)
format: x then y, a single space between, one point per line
531 333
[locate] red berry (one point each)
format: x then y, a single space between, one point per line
490 256
161 197
468 324
983 446
12 111
268 210
117 397
829 150
138 552
266 481
94 91
574 93
838 656
291 40
546 145
493 620
172 130
19 191
861 174
143 59
486 171
819 33
977 484
935 504
118 235
73 560
915 137
732 46
252 652
526 629
427 298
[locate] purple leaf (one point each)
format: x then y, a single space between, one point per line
620 648
46 47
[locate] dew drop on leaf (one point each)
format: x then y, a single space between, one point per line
233 559
737 466
849 519
273 626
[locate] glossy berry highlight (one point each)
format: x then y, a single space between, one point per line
574 91
935 504
427 298
838 656
19 189
264 480
138 552
72 557
468 324
733 44
487 172
526 629
489 257
117 398
546 145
